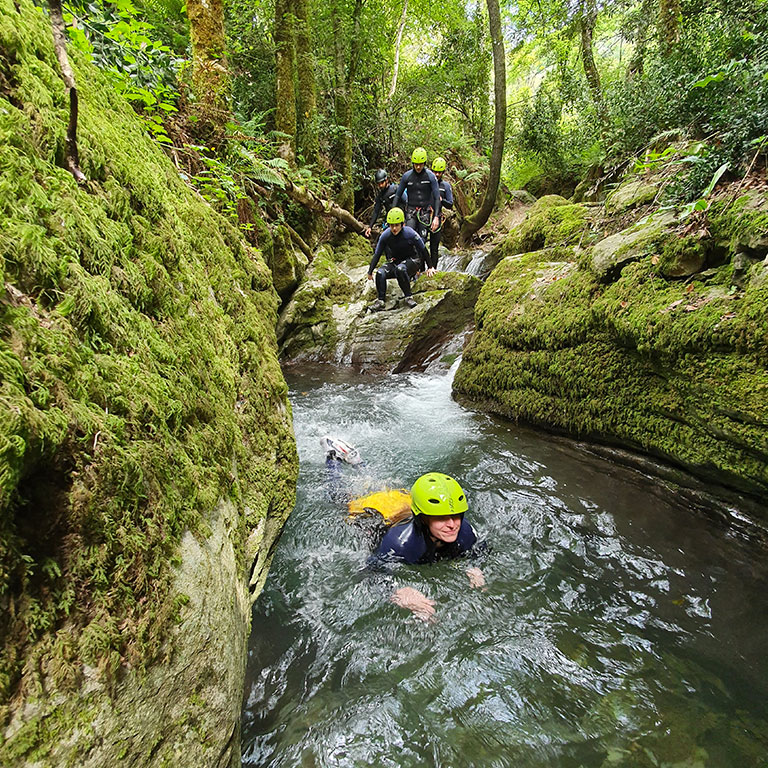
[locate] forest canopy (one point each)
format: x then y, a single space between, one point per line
246 92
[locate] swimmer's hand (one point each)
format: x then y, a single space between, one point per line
476 578
420 605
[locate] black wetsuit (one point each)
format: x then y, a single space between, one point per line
423 199
384 199
446 201
407 542
406 254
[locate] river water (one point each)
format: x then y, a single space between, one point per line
617 627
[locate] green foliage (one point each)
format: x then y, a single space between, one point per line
119 41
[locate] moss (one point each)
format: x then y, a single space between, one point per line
352 250
673 369
140 383
551 221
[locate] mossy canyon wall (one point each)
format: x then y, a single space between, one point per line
147 461
640 329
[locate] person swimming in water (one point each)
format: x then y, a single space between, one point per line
437 531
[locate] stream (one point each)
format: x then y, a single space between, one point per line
617 626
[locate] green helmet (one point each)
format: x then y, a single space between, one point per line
395 216
438 164
419 155
438 494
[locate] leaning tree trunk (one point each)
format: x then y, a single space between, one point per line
398 43
307 96
587 23
71 158
669 25
210 76
285 96
478 219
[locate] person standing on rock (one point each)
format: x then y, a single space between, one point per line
406 254
446 202
385 198
423 197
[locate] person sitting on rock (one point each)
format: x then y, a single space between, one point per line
406 254
446 202
385 198
437 531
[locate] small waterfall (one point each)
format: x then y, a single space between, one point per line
475 266
449 262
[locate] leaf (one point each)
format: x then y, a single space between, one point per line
718 174
690 288
709 79
655 259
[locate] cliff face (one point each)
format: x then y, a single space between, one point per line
147 461
645 331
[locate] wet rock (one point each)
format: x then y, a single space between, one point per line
328 318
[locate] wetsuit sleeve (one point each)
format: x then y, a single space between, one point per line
435 194
420 247
401 189
448 202
379 250
377 207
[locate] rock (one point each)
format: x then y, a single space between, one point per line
522 196
630 194
327 319
287 262
610 255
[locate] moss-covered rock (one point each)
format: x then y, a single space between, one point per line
631 193
146 453
327 319
670 368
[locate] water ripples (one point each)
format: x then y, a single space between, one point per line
615 628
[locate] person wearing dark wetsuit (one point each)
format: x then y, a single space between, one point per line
385 199
437 531
406 254
446 202
423 204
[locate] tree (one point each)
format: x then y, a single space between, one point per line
307 93
478 219
587 21
669 24
210 76
285 65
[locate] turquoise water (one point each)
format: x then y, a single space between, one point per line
617 626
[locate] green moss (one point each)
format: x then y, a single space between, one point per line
551 221
139 382
674 369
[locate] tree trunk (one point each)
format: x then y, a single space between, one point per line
71 159
307 97
669 25
210 77
285 63
478 219
641 38
587 22
398 43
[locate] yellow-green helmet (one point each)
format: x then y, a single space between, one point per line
438 164
438 494
395 216
419 155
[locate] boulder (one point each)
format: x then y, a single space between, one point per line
609 256
328 318
631 193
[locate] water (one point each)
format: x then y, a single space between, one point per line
617 628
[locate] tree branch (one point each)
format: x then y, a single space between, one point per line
60 45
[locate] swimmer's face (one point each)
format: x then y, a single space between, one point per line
444 528
395 228
418 167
